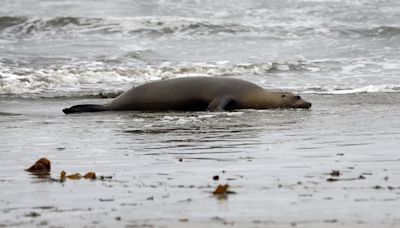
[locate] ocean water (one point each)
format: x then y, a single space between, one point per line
77 48
341 55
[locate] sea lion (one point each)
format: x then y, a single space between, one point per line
197 94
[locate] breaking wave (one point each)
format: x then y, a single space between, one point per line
23 27
89 79
173 27
105 81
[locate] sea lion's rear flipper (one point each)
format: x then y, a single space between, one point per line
84 108
220 104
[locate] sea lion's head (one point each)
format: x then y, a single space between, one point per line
290 100
280 99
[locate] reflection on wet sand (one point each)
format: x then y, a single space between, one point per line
163 165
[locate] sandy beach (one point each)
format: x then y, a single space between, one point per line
279 163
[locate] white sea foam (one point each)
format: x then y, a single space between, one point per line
337 90
90 78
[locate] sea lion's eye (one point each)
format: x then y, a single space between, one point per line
283 95
298 97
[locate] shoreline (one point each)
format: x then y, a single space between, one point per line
279 163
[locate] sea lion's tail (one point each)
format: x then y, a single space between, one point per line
84 108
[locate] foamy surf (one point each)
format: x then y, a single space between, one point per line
89 79
337 90
25 80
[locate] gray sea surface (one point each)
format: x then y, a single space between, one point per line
159 168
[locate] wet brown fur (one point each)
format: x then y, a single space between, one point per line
200 94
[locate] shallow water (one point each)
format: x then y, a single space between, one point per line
277 161
341 55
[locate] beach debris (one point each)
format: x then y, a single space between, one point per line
386 178
105 177
41 166
222 190
330 221
216 177
332 179
106 199
77 176
361 177
377 187
90 175
62 175
32 214
183 220
335 173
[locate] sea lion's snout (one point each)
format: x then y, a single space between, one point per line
302 104
307 105
291 100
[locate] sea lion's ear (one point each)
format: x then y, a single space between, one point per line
219 104
283 95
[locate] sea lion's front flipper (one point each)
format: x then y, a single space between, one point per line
219 104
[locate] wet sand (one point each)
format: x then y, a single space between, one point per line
278 162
